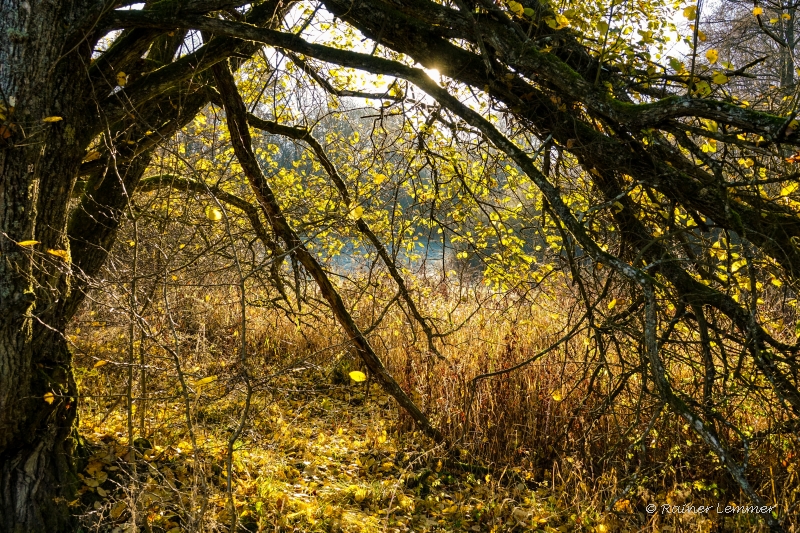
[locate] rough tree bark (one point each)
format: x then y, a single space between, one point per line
41 48
50 91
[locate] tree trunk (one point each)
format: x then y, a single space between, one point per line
37 468
43 49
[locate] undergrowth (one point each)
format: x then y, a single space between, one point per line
538 449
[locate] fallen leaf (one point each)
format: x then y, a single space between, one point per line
361 494
205 381
117 509
49 397
52 119
357 376
213 214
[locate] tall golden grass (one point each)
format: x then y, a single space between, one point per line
561 425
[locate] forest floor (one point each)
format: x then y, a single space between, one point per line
312 460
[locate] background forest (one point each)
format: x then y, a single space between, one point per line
402 266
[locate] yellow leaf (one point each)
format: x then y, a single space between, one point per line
27 243
61 254
52 119
205 381
690 12
101 362
719 78
786 16
91 156
213 214
701 36
557 396
710 146
773 20
360 494
356 213
516 8
49 397
380 178
612 303
357 376
789 189
712 56
702 88
776 282
101 492
117 509
122 79
757 11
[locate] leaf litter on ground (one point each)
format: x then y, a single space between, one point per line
330 460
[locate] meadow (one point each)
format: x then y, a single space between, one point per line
185 437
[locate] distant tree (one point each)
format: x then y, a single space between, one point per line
648 180
767 42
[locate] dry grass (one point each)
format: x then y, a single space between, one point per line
552 446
